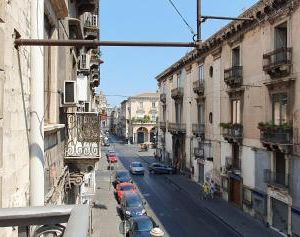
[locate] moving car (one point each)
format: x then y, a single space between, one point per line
124 187
132 205
136 167
122 176
140 226
110 152
158 168
112 158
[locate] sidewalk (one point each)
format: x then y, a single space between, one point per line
238 220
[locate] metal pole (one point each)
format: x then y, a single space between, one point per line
37 107
198 20
95 43
227 18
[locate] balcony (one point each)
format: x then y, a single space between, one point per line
278 63
49 221
276 179
233 133
198 129
91 30
233 76
177 93
75 28
271 134
87 6
233 165
163 98
162 126
177 128
198 87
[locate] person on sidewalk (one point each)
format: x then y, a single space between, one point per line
212 189
205 190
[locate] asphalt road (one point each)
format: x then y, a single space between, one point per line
175 212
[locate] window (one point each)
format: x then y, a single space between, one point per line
201 72
153 117
211 71
236 57
210 117
141 105
281 36
178 112
153 105
201 115
236 111
279 109
94 20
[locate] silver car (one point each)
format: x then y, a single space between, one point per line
136 167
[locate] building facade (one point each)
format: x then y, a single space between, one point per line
138 118
67 88
230 113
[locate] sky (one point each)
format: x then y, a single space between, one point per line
128 71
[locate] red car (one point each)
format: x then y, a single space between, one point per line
112 158
124 187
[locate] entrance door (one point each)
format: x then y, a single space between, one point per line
235 191
201 173
140 137
280 215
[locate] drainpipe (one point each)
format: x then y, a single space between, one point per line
37 107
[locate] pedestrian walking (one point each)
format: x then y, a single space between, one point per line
205 190
212 189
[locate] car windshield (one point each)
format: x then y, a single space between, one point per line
123 175
137 165
134 201
144 225
127 188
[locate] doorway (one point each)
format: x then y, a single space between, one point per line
235 191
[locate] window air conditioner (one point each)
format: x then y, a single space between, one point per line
70 96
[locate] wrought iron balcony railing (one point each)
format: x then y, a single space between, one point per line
50 220
276 135
233 132
177 93
278 63
198 128
198 87
177 127
162 125
276 179
233 76
199 153
163 97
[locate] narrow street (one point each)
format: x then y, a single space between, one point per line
176 212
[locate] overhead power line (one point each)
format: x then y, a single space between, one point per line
181 16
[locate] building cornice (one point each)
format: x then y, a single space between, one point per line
262 12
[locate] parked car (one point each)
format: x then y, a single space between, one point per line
139 226
121 188
158 168
136 167
132 205
122 176
112 158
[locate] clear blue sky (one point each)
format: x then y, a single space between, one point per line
131 70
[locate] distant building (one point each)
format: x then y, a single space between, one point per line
138 117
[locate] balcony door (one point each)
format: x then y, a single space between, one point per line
281 42
201 114
236 111
280 173
279 108
236 57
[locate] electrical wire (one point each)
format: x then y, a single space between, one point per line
181 16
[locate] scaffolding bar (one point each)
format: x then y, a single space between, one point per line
75 43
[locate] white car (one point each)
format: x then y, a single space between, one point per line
136 167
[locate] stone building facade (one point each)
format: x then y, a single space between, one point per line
64 19
229 112
138 118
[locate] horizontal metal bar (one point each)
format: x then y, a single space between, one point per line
25 216
228 18
49 42
78 224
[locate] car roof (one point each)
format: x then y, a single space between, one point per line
131 195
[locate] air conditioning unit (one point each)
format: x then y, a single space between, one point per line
84 62
70 95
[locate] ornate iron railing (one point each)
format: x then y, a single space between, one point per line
277 136
198 128
233 76
177 93
278 62
83 135
198 87
233 133
177 127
